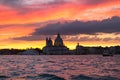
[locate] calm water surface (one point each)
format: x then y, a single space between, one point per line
40 67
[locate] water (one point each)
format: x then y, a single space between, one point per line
41 67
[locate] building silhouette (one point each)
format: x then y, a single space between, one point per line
57 48
80 49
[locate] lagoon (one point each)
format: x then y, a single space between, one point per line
59 67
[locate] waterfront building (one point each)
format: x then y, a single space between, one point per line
58 47
80 49
29 52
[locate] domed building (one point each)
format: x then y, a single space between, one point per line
49 42
58 41
56 49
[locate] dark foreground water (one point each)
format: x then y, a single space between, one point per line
59 67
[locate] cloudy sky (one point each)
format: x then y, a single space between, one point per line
26 23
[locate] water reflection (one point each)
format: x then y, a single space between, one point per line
59 68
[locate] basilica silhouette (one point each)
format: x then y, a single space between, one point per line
57 48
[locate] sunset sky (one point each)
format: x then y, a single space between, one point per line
27 23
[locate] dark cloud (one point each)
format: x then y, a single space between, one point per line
21 3
95 2
85 38
34 38
30 38
67 38
12 3
68 29
93 38
27 6
86 2
111 25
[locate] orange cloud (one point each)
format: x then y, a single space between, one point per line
68 10
14 31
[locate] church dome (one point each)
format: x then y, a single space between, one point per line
58 41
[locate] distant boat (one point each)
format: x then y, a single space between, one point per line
107 53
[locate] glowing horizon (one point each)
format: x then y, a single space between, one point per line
26 23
